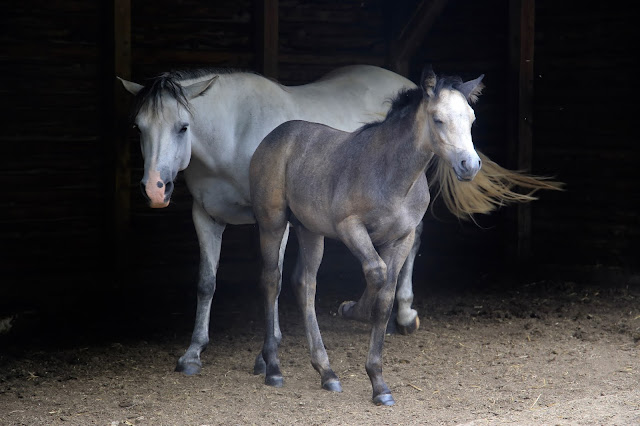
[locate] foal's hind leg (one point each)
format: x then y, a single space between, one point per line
260 367
304 283
272 228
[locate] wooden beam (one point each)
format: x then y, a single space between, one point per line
521 36
121 178
413 34
266 18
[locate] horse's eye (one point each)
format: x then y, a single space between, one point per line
135 126
183 129
437 121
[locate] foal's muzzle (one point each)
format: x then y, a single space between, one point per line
467 168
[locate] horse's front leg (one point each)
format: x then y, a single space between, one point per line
407 320
209 234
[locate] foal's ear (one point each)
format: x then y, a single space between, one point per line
472 89
131 87
198 89
428 80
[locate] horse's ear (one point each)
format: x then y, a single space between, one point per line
428 80
131 87
472 89
198 89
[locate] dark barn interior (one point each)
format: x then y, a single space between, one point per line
83 255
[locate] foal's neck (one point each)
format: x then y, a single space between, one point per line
404 143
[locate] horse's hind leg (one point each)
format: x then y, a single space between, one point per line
260 367
407 319
304 283
210 238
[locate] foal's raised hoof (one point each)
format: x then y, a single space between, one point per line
384 399
344 310
410 328
276 381
259 367
189 368
332 386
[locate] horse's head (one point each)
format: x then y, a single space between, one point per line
450 116
162 116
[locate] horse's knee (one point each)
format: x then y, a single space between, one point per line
375 272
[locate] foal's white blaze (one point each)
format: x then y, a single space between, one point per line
452 120
165 141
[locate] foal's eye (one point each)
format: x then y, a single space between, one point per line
437 120
183 129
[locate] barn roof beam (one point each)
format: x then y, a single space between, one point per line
413 34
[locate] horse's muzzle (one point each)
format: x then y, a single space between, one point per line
157 193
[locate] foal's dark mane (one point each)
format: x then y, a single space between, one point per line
169 83
407 100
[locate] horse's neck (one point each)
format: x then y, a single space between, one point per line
232 120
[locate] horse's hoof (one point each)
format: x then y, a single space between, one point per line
345 307
260 367
332 386
189 368
410 328
276 381
384 399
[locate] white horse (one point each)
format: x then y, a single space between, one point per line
209 123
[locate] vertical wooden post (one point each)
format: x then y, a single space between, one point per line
121 155
266 18
521 36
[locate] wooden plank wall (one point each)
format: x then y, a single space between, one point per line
584 131
51 173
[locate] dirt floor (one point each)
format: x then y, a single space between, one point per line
526 353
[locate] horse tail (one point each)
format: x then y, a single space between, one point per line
492 187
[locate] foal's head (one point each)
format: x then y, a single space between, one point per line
449 119
162 116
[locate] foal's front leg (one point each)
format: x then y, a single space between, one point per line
209 234
355 236
304 284
394 256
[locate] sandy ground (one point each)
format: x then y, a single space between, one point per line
529 353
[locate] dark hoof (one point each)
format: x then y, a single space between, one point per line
189 368
409 328
332 386
384 399
345 307
260 367
276 381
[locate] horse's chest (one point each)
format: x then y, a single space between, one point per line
221 199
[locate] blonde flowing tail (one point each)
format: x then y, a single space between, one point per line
492 188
